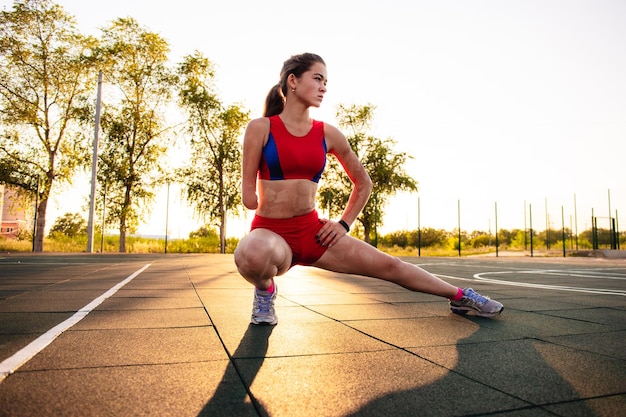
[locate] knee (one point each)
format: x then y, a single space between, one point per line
393 268
261 256
251 255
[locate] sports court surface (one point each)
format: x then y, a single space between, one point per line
168 335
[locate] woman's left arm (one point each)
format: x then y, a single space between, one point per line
338 145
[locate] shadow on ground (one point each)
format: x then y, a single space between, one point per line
229 399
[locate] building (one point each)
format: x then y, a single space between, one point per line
17 216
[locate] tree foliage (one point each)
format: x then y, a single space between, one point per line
384 166
70 225
44 74
213 176
134 63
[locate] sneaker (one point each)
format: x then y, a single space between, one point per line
263 307
476 303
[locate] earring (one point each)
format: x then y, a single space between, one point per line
293 90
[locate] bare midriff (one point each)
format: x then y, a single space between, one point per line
283 199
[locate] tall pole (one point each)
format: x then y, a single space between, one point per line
459 215
94 168
547 226
563 229
525 229
104 207
611 228
576 220
530 214
496 209
419 228
594 234
571 235
617 229
35 215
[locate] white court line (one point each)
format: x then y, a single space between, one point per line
572 273
9 365
479 277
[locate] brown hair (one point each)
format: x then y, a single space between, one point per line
296 65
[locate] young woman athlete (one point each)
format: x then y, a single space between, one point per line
284 154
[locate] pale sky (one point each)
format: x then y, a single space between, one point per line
497 100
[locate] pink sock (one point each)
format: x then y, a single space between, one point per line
459 294
270 289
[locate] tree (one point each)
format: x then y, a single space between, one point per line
398 238
428 237
134 63
44 74
213 176
70 224
481 239
384 166
203 231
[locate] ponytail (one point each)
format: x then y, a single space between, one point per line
274 102
296 65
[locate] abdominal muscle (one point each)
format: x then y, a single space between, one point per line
283 199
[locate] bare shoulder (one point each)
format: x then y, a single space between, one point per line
262 124
258 130
335 140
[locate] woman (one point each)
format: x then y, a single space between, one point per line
284 154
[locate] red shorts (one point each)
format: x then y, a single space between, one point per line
299 233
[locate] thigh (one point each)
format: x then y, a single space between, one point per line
353 256
262 246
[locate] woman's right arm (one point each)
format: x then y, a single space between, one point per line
253 142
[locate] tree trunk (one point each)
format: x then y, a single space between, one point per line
125 208
367 228
123 234
223 233
40 226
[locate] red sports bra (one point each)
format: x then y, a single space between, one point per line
286 156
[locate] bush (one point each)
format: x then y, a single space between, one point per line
482 240
70 224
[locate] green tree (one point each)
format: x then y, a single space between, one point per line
70 225
44 74
213 176
551 237
397 238
134 63
520 239
428 237
384 166
203 231
505 237
481 239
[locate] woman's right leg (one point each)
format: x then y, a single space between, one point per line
260 256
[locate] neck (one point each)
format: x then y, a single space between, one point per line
295 114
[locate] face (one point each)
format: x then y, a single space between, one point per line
311 86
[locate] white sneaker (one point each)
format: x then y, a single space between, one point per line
263 307
472 302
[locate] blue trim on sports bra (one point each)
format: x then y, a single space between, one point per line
270 152
317 176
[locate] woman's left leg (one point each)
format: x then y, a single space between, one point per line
353 256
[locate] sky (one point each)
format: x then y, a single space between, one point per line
519 104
